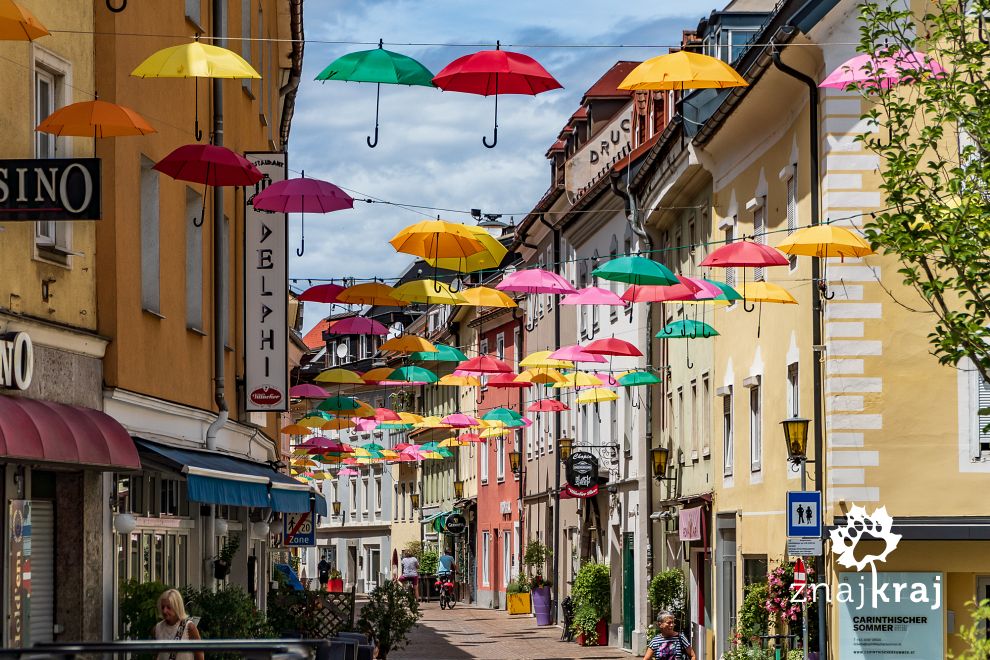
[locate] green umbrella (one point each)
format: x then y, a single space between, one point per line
429 446
397 426
443 451
509 417
413 375
443 353
372 446
339 403
378 66
636 270
634 378
728 293
686 329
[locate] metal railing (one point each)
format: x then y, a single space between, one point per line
260 649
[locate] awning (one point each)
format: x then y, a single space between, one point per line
214 478
430 518
33 430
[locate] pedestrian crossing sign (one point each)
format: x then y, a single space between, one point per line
804 514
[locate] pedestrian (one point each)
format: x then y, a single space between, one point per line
175 625
323 570
410 570
669 644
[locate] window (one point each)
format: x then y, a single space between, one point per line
727 440
581 283
516 348
352 496
627 421
500 345
506 558
52 238
793 391
613 252
486 549
194 11
530 430
225 302
754 569
680 422
792 220
760 234
395 499
378 493
500 459
483 449
706 415
694 420
366 495
613 412
755 429
150 255
730 236
595 309
982 421
483 350
194 261
553 268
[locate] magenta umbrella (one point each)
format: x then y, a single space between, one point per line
347 472
702 289
608 380
365 425
871 71
459 421
575 353
592 295
321 293
357 325
535 280
307 391
302 195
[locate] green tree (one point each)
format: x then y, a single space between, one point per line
932 134
975 635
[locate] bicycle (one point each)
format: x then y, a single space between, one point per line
445 584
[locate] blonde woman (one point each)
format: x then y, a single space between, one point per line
175 625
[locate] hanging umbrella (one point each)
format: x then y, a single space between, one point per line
612 346
596 395
357 325
874 71
498 71
592 295
460 421
307 391
337 424
339 377
339 405
303 463
347 472
18 24
766 292
508 381
429 292
437 238
727 292
470 438
483 296
485 364
210 165
575 353
636 270
547 405
654 294
408 344
636 378
95 119
746 254
413 375
540 376
195 60
443 353
825 241
542 360
302 195
489 258
296 429
312 422
377 375
535 280
578 379
453 442
608 380
686 329
386 415
459 381
370 293
682 70
379 66
321 293
505 415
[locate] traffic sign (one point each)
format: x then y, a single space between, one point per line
800 573
804 547
298 530
804 514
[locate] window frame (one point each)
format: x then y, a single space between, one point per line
756 428
728 435
52 238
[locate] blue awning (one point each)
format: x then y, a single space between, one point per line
290 501
321 505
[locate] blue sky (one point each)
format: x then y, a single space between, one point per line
429 151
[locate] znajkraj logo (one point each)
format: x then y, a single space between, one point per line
876 527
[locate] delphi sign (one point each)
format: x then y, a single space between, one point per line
266 291
50 189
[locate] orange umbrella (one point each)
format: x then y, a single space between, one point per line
96 119
18 24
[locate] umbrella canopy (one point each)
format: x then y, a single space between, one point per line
296 429
302 195
489 258
377 375
635 270
498 71
443 353
873 71
483 296
357 325
654 294
596 395
507 381
413 375
460 421
825 241
430 292
339 377
535 280
727 292
470 437
437 238
408 344
608 380
96 119
542 360
321 293
485 364
337 424
540 376
686 329
575 353
547 405
307 391
592 295
505 415
745 253
386 415
612 346
210 165
347 472
636 378
578 379
459 381
312 422
370 293
18 24
195 60
682 70
765 292
343 405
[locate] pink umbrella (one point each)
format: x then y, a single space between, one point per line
612 346
357 325
592 295
547 405
365 425
459 421
386 415
347 472
883 72
607 380
321 293
324 443
307 391
575 353
702 289
535 280
302 195
651 293
485 364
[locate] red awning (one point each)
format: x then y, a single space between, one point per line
33 430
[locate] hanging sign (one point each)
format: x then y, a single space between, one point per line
689 524
19 574
582 474
455 524
266 294
50 189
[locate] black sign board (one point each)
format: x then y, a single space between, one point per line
456 524
582 470
50 189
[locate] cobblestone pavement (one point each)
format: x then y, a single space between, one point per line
468 632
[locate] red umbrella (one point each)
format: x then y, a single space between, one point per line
495 72
507 381
547 405
321 293
210 165
485 364
470 437
746 253
651 293
302 195
357 325
612 346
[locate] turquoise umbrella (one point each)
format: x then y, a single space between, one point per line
634 378
339 404
378 66
508 417
413 375
636 270
443 353
686 329
728 293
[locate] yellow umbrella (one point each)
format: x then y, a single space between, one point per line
825 241
312 422
489 258
408 344
364 410
339 376
596 395
389 453
494 433
431 423
542 359
437 238
453 442
410 418
483 296
18 24
375 375
430 292
682 70
337 424
459 381
431 455
295 429
578 379
360 452
540 376
370 293
305 462
765 292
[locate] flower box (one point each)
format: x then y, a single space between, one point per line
336 585
517 603
602 630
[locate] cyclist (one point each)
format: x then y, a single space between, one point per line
445 576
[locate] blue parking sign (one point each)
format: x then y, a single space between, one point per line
804 514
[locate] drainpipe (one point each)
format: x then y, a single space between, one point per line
520 320
817 311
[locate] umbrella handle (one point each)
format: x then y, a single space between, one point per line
117 10
302 236
198 133
378 90
636 402
750 307
484 140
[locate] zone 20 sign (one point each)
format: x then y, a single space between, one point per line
298 530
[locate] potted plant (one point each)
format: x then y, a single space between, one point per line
336 582
539 588
389 615
592 604
517 596
221 565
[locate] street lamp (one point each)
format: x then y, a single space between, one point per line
796 437
659 458
458 489
336 508
564 446
515 459
414 500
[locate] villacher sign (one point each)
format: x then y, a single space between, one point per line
50 189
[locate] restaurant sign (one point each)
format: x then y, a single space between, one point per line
266 283
582 474
16 361
50 189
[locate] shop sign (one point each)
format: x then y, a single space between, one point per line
604 148
19 576
50 189
689 524
456 524
16 361
582 470
266 294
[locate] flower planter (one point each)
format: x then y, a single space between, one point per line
602 630
220 569
541 606
336 585
517 603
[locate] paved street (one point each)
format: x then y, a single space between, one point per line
467 632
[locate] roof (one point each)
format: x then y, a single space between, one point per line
580 113
314 338
557 146
607 87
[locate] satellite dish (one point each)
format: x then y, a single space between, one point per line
342 350
396 328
